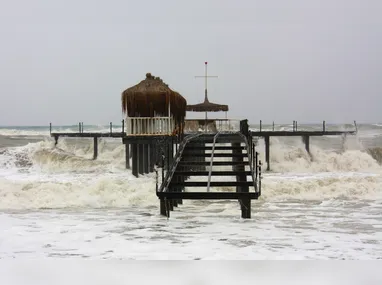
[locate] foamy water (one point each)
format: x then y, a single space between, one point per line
58 202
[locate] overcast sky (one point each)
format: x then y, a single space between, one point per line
282 60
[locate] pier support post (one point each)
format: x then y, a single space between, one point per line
140 159
151 157
305 140
267 145
127 155
245 208
95 148
145 158
162 206
134 153
245 204
55 140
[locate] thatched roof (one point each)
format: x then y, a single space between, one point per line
207 106
151 97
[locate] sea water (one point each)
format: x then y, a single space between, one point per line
56 202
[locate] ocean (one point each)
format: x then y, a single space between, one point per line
56 202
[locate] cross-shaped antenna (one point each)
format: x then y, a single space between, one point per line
205 82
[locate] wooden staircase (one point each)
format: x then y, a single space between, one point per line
201 159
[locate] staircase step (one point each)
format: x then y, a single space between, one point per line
208 195
220 139
214 163
195 154
213 173
212 183
217 147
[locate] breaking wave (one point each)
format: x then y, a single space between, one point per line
40 175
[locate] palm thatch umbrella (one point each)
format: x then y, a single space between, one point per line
152 97
207 106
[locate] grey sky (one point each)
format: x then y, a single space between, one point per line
283 60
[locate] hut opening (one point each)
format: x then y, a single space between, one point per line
151 107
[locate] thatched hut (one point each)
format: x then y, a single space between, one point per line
153 98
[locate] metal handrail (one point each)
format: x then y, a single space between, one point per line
177 158
211 162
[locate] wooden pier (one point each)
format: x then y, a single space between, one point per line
159 139
180 158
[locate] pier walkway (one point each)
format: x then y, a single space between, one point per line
195 165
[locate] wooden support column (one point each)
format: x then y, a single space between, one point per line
245 204
152 161
145 158
162 206
134 153
305 139
127 155
140 159
246 208
240 177
95 148
267 146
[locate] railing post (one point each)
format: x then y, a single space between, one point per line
123 126
260 125
323 126
79 127
50 128
111 127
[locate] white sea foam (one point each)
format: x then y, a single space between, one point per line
45 132
67 176
327 207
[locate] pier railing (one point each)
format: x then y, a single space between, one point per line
211 125
149 126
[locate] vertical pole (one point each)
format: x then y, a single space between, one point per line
123 126
296 126
260 177
260 125
323 126
266 138
273 126
111 127
162 205
140 159
127 155
50 128
305 139
256 163
55 140
163 167
134 150
145 158
152 157
79 127
245 208
95 148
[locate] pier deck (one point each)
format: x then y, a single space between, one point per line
198 154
